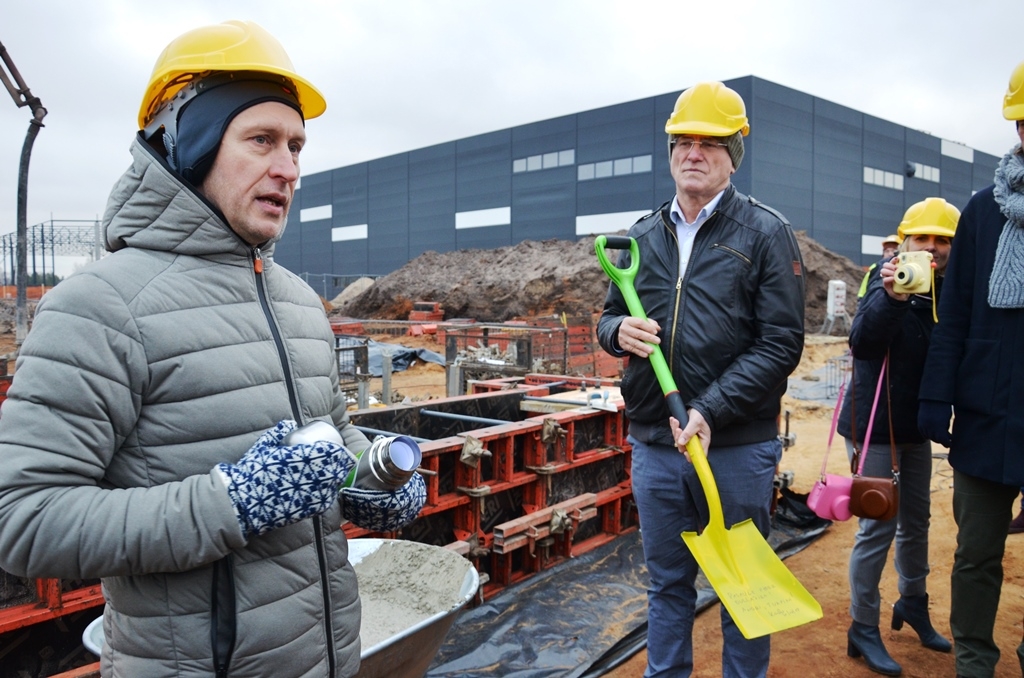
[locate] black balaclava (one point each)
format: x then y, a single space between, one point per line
203 121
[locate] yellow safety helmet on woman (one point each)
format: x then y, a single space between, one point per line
931 216
228 47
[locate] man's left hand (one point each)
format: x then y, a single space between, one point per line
384 511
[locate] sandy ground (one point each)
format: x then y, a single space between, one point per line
819 649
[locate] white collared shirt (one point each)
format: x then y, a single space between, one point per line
686 232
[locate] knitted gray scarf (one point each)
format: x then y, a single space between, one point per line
1006 283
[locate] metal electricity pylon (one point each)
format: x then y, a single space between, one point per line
22 97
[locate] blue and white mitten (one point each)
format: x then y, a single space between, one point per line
384 511
272 486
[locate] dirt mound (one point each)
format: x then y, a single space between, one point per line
528 279
543 278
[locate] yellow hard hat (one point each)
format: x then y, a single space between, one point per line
1013 100
893 239
230 46
931 216
708 109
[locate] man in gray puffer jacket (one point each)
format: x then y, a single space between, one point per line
141 441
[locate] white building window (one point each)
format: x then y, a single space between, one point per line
926 172
544 161
315 213
882 178
617 168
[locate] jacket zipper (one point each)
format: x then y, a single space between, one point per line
732 251
318 531
679 288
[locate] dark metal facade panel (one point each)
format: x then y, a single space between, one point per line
884 145
983 172
923 148
616 194
544 205
316 246
914 191
432 199
485 238
317 189
956 181
612 132
351 257
546 136
388 211
483 167
349 204
837 178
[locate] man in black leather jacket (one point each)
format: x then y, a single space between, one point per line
721 281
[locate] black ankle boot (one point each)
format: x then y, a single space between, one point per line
914 611
866 641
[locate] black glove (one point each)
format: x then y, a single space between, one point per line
933 421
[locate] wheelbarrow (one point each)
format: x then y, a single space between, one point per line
411 595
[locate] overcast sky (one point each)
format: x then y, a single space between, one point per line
400 74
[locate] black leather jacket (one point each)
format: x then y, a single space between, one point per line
732 329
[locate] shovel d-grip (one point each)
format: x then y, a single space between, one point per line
623 279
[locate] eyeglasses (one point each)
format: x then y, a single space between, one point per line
705 145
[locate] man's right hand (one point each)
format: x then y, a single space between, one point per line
933 419
272 486
696 425
635 335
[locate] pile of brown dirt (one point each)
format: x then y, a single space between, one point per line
544 278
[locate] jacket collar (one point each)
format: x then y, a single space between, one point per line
151 207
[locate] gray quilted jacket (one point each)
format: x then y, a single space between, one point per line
140 374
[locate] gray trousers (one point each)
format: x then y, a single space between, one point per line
982 510
909 528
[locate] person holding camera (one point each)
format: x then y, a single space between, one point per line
974 365
895 318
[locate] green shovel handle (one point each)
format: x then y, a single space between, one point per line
623 279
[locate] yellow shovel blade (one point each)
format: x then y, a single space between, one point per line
760 593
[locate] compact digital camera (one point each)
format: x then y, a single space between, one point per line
913 273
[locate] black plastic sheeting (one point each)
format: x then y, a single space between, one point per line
402 357
585 616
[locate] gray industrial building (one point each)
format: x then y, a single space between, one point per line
843 176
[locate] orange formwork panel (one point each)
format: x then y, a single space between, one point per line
501 465
50 599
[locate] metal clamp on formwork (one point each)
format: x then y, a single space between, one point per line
481 491
552 436
558 519
472 450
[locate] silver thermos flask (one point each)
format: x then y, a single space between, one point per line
387 464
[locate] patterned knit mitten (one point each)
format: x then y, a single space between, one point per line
384 511
272 486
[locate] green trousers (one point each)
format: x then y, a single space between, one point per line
982 510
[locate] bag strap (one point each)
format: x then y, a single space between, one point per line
892 436
871 419
835 421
